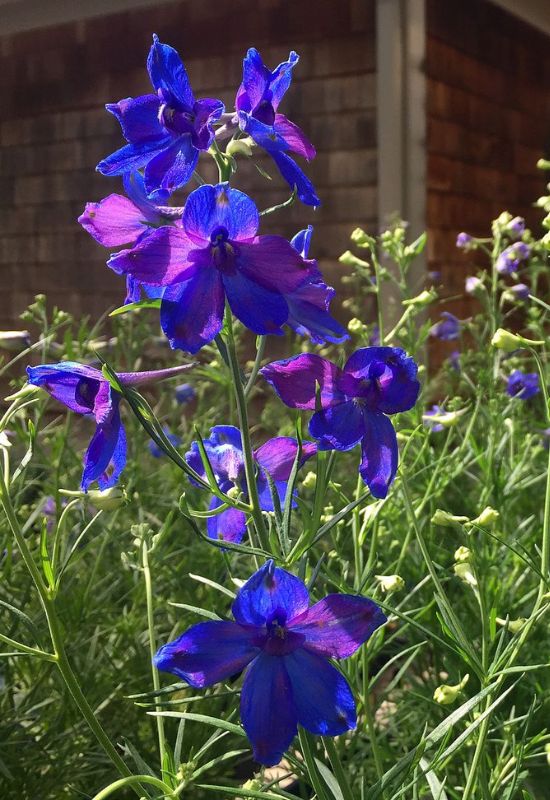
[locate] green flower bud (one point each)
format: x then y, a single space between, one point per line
310 481
423 299
390 583
543 163
103 500
241 147
356 326
487 519
463 570
446 418
504 340
513 625
233 492
462 554
350 260
362 239
445 695
447 520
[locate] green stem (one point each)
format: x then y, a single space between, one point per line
311 765
379 766
337 768
260 350
130 781
29 651
245 434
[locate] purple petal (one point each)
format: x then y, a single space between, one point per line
379 454
295 380
113 221
260 310
267 709
75 385
228 526
295 178
161 259
151 376
208 653
256 78
294 138
277 456
339 427
263 133
206 113
302 241
191 314
265 495
133 156
281 78
225 452
211 207
171 168
256 260
270 590
105 457
389 375
337 625
168 75
309 316
138 117
322 696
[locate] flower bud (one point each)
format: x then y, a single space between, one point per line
445 419
474 285
504 340
4 441
547 751
487 518
447 520
241 147
462 554
233 492
390 583
463 570
423 299
350 260
355 326
26 391
445 694
543 163
102 499
464 241
513 625
362 239
14 341
310 481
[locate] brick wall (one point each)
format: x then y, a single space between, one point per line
53 129
488 121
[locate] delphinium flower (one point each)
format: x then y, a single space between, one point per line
308 305
511 258
184 394
520 291
516 227
285 647
158 452
166 130
522 385
473 284
225 452
257 103
447 329
118 220
464 241
454 360
215 255
85 391
354 403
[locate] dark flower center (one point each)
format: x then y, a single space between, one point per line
280 639
223 252
264 112
178 122
86 391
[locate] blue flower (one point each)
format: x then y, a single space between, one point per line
522 385
354 401
285 646
447 328
511 257
85 391
184 394
225 453
257 102
158 452
166 130
215 255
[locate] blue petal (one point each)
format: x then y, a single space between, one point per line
259 309
171 168
105 457
282 77
379 454
225 453
302 241
191 314
168 74
75 385
390 375
256 78
267 709
164 257
211 207
277 456
340 427
271 589
228 526
294 176
133 156
309 315
272 262
264 492
208 653
322 696
138 117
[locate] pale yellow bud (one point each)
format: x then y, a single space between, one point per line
447 520
462 554
463 570
504 340
445 694
310 481
390 583
487 519
513 625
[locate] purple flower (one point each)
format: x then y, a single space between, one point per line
516 227
256 104
166 130
184 394
473 284
454 360
447 328
464 240
118 220
158 452
285 646
225 453
309 304
522 385
84 390
354 402
216 255
521 291
511 257
435 411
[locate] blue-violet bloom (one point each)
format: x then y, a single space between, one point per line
447 329
354 403
225 452
511 257
285 647
165 131
464 240
85 391
256 104
522 385
521 291
184 394
215 255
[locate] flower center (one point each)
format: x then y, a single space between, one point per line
85 392
222 250
264 112
280 640
178 122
